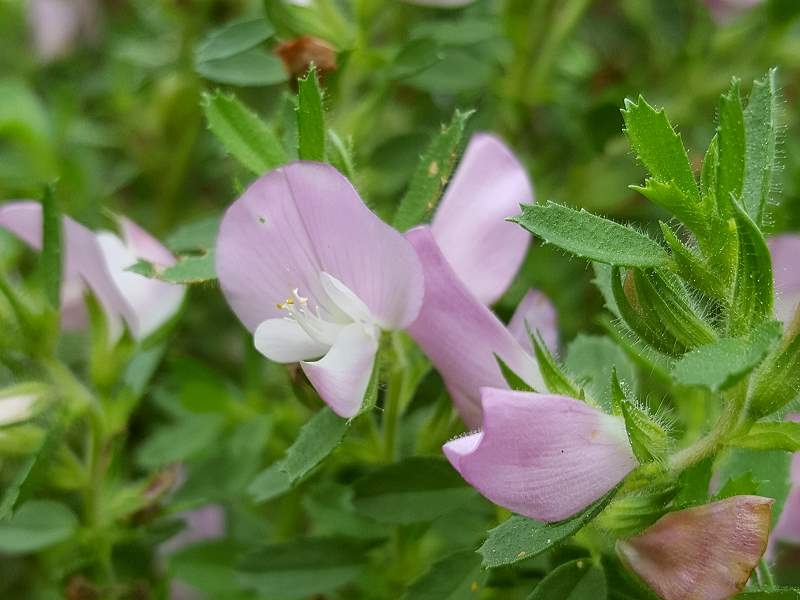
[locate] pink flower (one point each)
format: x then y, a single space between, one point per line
316 276
703 552
785 251
469 255
724 10
57 26
98 261
545 457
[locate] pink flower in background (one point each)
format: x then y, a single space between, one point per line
57 26
470 226
545 457
470 254
317 276
535 313
98 261
723 10
703 552
785 251
441 3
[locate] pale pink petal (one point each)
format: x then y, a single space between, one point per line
204 523
341 376
535 313
284 341
153 303
470 223
461 336
703 552
545 457
304 219
143 245
785 251
83 261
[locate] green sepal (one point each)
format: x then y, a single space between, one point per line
553 374
631 513
693 268
648 437
655 336
665 302
514 381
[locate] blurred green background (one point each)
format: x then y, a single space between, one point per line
113 114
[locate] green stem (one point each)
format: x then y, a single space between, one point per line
391 415
729 422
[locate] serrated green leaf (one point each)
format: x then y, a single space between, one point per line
253 67
520 538
694 483
413 490
659 147
579 579
671 198
194 236
317 439
740 485
310 118
242 133
455 577
760 123
784 435
320 436
232 38
514 381
770 468
592 237
645 329
35 526
302 568
431 174
719 365
730 136
50 259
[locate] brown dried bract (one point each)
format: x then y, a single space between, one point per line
297 55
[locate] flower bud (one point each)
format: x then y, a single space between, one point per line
701 553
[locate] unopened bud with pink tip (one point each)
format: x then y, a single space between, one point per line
701 553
